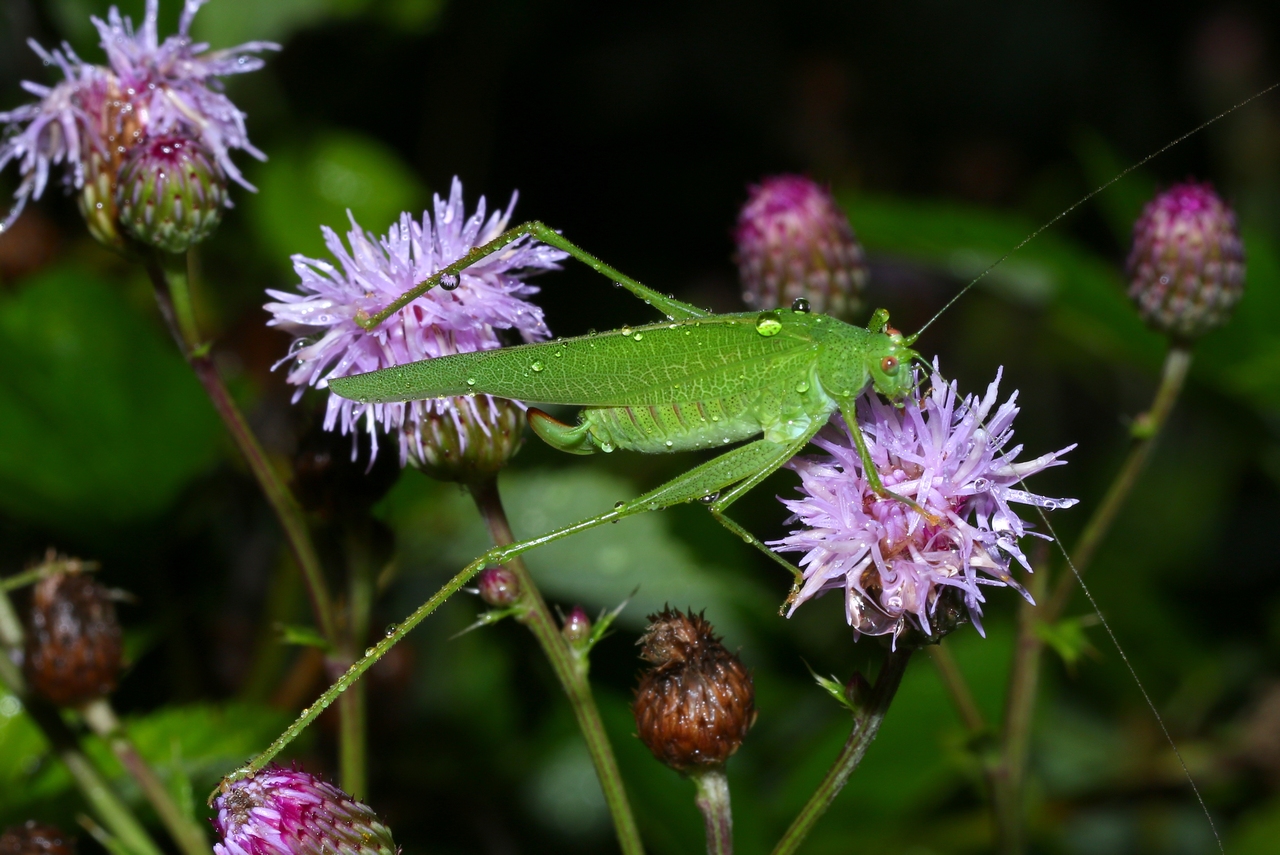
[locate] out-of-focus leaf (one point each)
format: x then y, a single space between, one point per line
306 187
226 23
599 568
1122 202
1243 357
1257 833
101 422
1066 637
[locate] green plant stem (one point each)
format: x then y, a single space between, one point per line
1146 430
1025 669
174 297
111 810
713 800
352 705
49 567
957 688
570 670
102 720
866 724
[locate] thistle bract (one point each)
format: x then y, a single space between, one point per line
1186 268
794 242
149 89
290 812
457 317
899 569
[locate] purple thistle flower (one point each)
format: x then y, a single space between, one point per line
291 812
951 456
489 296
151 88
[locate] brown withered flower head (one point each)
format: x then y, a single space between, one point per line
33 838
73 644
695 705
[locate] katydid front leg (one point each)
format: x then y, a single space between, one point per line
669 306
849 411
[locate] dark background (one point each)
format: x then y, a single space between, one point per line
949 131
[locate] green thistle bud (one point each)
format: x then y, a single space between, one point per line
499 587
170 193
469 441
577 627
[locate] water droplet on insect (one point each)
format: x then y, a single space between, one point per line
606 447
802 386
726 439
369 651
670 443
626 331
471 381
715 418
449 282
800 304
591 332
638 336
391 630
709 498
537 366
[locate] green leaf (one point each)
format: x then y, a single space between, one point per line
101 422
1067 637
305 187
306 636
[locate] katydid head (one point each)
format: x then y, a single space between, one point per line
889 364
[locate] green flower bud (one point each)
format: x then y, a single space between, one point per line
170 193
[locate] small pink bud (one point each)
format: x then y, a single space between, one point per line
499 587
794 243
577 627
1186 268
290 812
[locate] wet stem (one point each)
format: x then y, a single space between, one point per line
569 669
866 724
1006 773
170 278
717 813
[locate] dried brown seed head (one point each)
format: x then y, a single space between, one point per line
73 645
33 838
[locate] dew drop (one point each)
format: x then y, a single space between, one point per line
709 498
391 630
606 447
537 366
626 332
638 336
369 651
981 485
471 381
617 506
449 282
800 304
802 386
670 443
1050 504
592 332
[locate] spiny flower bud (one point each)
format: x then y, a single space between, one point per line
170 193
696 704
73 646
469 441
33 838
499 587
1186 268
793 243
290 812
577 627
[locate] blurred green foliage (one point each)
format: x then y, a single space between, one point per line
950 133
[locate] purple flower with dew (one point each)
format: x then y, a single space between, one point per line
488 296
292 812
149 88
952 456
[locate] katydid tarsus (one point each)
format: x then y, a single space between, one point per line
692 381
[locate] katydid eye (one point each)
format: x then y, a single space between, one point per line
889 365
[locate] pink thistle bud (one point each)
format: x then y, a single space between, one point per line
794 242
577 627
290 812
170 193
499 587
1186 268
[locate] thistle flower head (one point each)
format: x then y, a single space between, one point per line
1186 268
899 569
488 296
291 812
794 242
149 88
